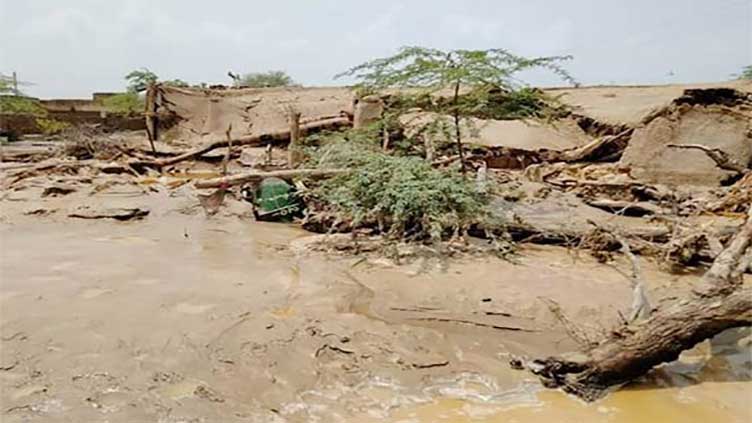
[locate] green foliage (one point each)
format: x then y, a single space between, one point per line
9 85
522 103
176 83
140 79
6 84
463 81
404 196
52 126
265 79
21 105
419 67
745 74
124 103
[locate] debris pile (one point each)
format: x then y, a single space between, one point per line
703 138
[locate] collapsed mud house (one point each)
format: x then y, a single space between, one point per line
656 173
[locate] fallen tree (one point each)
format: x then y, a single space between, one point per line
254 140
721 302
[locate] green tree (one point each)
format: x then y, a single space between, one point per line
6 85
745 74
140 79
265 79
9 85
13 101
132 101
462 76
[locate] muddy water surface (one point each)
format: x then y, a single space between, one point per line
179 318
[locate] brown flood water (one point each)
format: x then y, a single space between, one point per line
187 319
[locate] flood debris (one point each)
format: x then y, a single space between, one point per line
116 213
671 187
720 302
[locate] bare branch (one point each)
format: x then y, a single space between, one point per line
720 157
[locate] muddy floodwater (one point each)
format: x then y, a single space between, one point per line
181 318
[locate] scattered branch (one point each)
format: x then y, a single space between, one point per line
720 157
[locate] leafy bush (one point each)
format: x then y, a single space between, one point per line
21 105
522 103
403 196
52 126
265 79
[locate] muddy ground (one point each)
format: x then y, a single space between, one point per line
180 317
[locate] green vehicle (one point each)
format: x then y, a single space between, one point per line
273 199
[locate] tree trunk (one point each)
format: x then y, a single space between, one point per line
457 132
293 149
720 303
150 114
385 137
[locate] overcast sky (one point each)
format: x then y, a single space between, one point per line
70 48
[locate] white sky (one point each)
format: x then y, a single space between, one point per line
70 48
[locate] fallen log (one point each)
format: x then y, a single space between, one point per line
721 302
242 178
722 159
608 148
251 140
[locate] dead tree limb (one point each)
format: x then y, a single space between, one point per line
720 157
607 147
243 178
640 304
251 140
721 302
